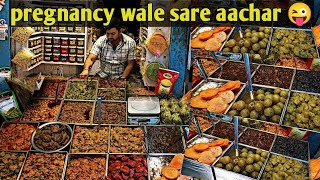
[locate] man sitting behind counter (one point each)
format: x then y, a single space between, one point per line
116 52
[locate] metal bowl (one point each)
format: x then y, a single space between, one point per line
69 132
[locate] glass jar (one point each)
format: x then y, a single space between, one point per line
81 42
73 41
56 40
64 57
80 59
72 58
64 49
56 57
80 51
48 56
72 50
56 49
48 40
48 48
64 41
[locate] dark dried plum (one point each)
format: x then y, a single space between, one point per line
291 147
307 81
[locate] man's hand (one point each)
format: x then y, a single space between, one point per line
84 74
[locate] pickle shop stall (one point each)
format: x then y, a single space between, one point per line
66 131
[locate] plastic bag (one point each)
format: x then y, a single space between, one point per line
166 80
22 58
22 34
157 43
9 108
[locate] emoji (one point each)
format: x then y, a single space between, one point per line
299 13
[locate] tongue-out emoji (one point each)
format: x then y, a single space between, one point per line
299 21
299 13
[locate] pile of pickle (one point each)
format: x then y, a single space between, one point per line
293 43
267 106
254 42
303 111
249 163
279 167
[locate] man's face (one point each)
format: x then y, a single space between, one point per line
113 34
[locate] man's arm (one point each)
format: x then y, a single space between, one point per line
128 69
93 56
89 61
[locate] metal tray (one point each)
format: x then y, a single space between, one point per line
156 162
70 132
221 69
81 101
123 92
166 126
70 156
222 62
51 79
19 152
89 126
141 154
272 153
282 123
220 82
240 132
271 145
35 124
60 152
73 80
105 102
207 139
306 30
227 174
36 99
145 145
196 31
255 88
192 122
308 156
111 87
288 66
252 27
276 67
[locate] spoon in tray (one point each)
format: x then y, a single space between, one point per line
53 104
248 72
99 107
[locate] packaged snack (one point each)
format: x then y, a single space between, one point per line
166 80
22 34
22 58
9 108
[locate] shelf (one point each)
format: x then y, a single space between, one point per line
63 63
55 63
35 47
32 67
59 33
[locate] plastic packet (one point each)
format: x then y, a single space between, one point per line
166 80
22 58
9 108
22 34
